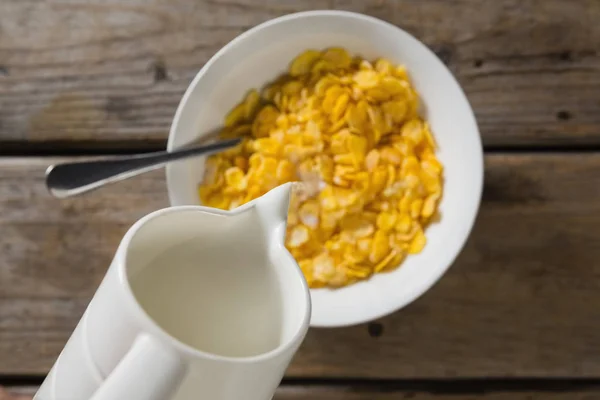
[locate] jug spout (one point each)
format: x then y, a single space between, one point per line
272 207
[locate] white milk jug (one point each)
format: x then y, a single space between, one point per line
198 303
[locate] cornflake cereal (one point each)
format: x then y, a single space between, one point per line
350 131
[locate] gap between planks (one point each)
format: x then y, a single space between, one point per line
110 149
461 389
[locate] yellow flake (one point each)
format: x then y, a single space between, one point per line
267 146
357 145
339 107
327 199
345 197
387 220
384 66
379 247
357 226
384 263
396 110
236 115
359 271
400 72
256 160
391 175
394 86
236 202
391 155
292 88
254 192
286 172
264 121
309 214
307 269
251 104
234 178
329 218
415 208
346 159
404 203
378 95
418 242
339 142
379 179
378 123
365 65
404 224
302 64
322 66
357 117
338 57
211 171
325 167
323 84
411 181
405 148
340 277
372 160
204 192
241 162
429 205
218 200
352 256
269 92
366 79
432 166
410 165
323 267
413 131
429 136
331 97
299 235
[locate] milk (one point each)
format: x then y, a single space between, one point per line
213 297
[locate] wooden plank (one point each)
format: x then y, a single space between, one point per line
520 300
103 73
17 393
369 393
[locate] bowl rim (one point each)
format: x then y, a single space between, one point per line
477 181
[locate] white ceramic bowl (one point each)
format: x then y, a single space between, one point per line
264 52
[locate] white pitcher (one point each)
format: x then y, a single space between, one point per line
197 304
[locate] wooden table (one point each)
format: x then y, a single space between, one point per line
516 317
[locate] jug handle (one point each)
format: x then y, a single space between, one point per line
149 371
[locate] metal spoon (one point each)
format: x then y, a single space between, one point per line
70 179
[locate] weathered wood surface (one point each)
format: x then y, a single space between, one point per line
519 302
319 392
109 74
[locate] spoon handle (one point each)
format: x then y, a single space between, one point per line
69 179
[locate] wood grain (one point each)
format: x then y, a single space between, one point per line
318 392
110 73
519 301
